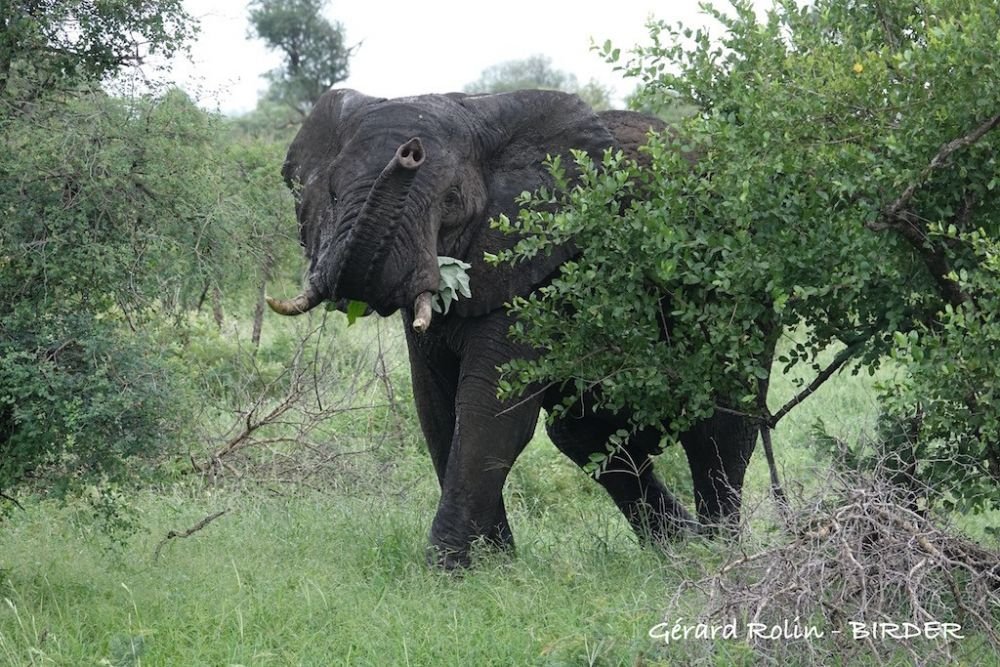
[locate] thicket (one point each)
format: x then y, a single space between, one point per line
124 218
839 177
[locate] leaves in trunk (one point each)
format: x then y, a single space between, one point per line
355 309
454 281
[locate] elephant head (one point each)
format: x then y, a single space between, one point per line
385 186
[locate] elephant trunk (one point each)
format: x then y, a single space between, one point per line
377 226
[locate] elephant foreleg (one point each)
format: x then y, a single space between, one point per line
488 437
434 376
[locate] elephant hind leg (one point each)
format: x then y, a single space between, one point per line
718 451
652 511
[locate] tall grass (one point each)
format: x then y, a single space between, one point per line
314 579
336 574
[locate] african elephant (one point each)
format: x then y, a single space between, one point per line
385 186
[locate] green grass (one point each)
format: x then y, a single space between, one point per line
316 579
300 577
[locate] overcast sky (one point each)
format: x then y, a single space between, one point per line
430 46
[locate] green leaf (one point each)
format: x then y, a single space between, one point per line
454 283
355 309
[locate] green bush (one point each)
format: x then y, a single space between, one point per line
79 401
838 177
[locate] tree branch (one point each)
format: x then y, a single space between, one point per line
187 533
838 362
943 154
12 500
765 435
899 218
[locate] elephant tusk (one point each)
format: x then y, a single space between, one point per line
422 312
302 303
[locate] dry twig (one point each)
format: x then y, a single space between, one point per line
173 534
860 554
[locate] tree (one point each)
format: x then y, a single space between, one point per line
315 56
845 182
261 213
104 203
107 207
47 45
537 72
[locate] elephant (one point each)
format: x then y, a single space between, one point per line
382 188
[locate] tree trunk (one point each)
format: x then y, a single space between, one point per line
259 308
217 305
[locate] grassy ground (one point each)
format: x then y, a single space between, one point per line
337 575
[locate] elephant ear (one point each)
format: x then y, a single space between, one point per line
520 130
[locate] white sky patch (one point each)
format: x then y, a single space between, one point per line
434 46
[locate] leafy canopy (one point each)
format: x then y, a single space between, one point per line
119 216
840 175
46 45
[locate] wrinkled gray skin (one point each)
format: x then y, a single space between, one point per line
382 188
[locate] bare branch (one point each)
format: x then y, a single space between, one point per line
12 500
187 533
857 557
838 362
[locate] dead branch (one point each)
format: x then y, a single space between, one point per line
173 534
252 423
858 554
285 427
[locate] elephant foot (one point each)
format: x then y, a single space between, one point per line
654 514
655 526
447 556
447 559
452 559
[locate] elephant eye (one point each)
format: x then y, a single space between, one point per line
453 198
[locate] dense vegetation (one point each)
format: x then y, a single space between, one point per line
839 178
124 218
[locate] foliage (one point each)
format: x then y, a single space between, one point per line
315 56
47 46
120 216
255 210
537 72
943 410
103 210
670 110
840 175
454 283
270 120
77 401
